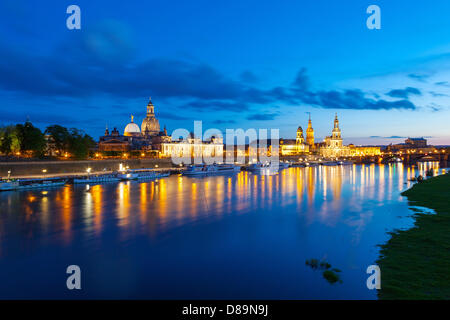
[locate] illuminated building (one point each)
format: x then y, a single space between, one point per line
310 135
412 145
192 146
114 141
148 137
333 147
150 125
289 147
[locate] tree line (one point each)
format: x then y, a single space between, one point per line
27 139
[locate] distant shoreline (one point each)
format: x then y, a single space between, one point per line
415 263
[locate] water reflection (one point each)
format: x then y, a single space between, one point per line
178 200
326 204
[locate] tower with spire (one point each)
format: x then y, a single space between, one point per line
310 134
299 139
150 125
336 133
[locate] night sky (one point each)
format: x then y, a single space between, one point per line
231 64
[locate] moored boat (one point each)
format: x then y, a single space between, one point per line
141 174
96 178
41 183
205 170
263 168
8 185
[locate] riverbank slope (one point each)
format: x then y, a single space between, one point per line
415 263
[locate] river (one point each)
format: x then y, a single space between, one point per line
241 236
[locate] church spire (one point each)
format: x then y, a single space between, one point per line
336 121
150 108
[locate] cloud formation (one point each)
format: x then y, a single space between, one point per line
102 61
404 93
262 116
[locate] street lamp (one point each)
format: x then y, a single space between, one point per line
44 171
88 170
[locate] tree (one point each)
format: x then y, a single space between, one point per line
79 143
58 138
31 139
9 140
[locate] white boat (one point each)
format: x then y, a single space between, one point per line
141 174
41 183
96 178
205 170
8 185
227 168
127 175
283 165
260 168
199 170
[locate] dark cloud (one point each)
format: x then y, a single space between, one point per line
437 94
220 121
404 93
248 77
171 116
205 105
442 83
418 77
102 61
262 116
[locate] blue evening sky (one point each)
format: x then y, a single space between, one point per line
232 64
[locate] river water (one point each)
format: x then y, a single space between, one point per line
240 236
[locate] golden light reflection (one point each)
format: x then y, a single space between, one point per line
320 193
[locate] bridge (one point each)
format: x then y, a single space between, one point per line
411 158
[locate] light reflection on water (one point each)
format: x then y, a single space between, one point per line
239 236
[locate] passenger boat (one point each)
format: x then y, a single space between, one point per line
263 168
204 169
7 185
141 174
41 183
96 178
227 168
283 165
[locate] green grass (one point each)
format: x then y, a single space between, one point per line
415 263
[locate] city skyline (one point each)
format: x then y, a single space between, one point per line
210 65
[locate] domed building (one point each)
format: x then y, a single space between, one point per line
132 129
150 125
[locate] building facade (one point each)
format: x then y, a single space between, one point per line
333 146
192 147
289 147
149 137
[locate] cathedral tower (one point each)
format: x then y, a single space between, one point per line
336 133
150 125
310 134
299 139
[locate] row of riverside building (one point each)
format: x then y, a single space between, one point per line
149 138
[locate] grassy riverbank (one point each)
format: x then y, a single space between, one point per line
415 263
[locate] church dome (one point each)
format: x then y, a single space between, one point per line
132 129
150 125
